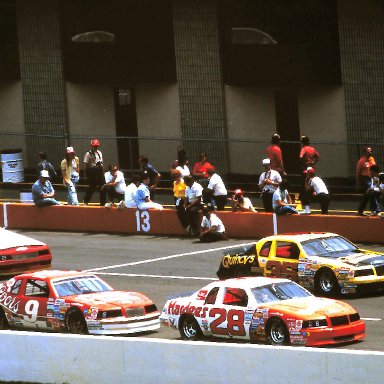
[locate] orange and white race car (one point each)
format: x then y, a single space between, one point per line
74 302
273 310
325 263
19 254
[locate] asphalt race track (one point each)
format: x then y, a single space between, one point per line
166 266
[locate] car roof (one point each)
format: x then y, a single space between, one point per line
303 236
9 239
54 274
247 282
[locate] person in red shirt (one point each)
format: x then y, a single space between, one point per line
308 154
199 171
273 153
363 177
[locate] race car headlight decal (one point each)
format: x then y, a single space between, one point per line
314 323
364 272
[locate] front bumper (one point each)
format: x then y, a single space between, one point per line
122 325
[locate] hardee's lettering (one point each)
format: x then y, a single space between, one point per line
176 309
229 260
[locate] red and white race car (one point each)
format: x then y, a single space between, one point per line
74 302
19 254
273 310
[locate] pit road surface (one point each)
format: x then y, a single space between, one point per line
162 267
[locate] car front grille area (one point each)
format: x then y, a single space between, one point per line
109 314
129 312
370 271
344 320
150 308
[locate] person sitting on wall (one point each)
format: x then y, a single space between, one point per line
241 203
212 228
114 185
142 195
43 192
282 202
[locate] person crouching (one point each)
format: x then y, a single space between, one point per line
212 228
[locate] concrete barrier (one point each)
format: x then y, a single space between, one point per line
131 221
61 358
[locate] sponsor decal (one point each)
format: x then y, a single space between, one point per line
8 301
229 260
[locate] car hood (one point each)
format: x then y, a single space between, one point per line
359 259
9 239
312 307
111 298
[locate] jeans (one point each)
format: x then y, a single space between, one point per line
72 194
46 201
285 210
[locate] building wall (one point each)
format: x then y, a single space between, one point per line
12 116
251 121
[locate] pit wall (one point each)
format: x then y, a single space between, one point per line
165 222
60 358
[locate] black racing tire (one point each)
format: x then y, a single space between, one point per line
189 329
75 322
3 320
326 283
277 332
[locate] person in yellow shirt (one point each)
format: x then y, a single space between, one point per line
179 188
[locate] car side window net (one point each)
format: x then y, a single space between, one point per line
37 288
264 251
211 297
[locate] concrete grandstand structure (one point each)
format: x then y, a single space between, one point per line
215 76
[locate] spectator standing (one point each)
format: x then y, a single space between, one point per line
241 203
274 154
216 185
193 204
381 189
319 191
154 175
114 185
45 165
70 169
130 193
308 154
183 167
268 182
363 177
142 196
43 192
373 191
212 228
93 172
179 188
281 200
199 171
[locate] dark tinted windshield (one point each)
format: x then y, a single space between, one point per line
278 292
80 285
328 247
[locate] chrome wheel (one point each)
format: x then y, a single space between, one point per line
326 283
189 329
76 322
278 334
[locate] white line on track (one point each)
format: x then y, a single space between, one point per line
157 276
371 318
165 258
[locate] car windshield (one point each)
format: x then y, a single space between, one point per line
80 285
328 246
279 291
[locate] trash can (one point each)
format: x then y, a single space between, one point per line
26 196
12 165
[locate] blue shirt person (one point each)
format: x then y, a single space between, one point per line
43 192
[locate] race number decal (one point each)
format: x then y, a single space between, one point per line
234 318
31 309
142 221
282 269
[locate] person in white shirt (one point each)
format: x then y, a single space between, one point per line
114 185
193 203
241 203
216 185
317 187
268 182
212 228
130 192
282 202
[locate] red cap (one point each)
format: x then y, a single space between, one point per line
238 192
310 171
95 142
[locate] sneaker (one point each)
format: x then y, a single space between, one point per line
121 205
108 205
374 213
361 214
381 214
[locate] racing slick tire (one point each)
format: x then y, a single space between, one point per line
3 320
326 283
277 332
75 322
189 329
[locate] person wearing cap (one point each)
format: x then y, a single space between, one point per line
93 171
281 200
70 169
241 203
43 192
274 153
216 185
212 228
269 180
114 185
317 189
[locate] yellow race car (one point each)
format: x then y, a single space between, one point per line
325 263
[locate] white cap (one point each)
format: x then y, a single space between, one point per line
44 173
70 150
266 161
